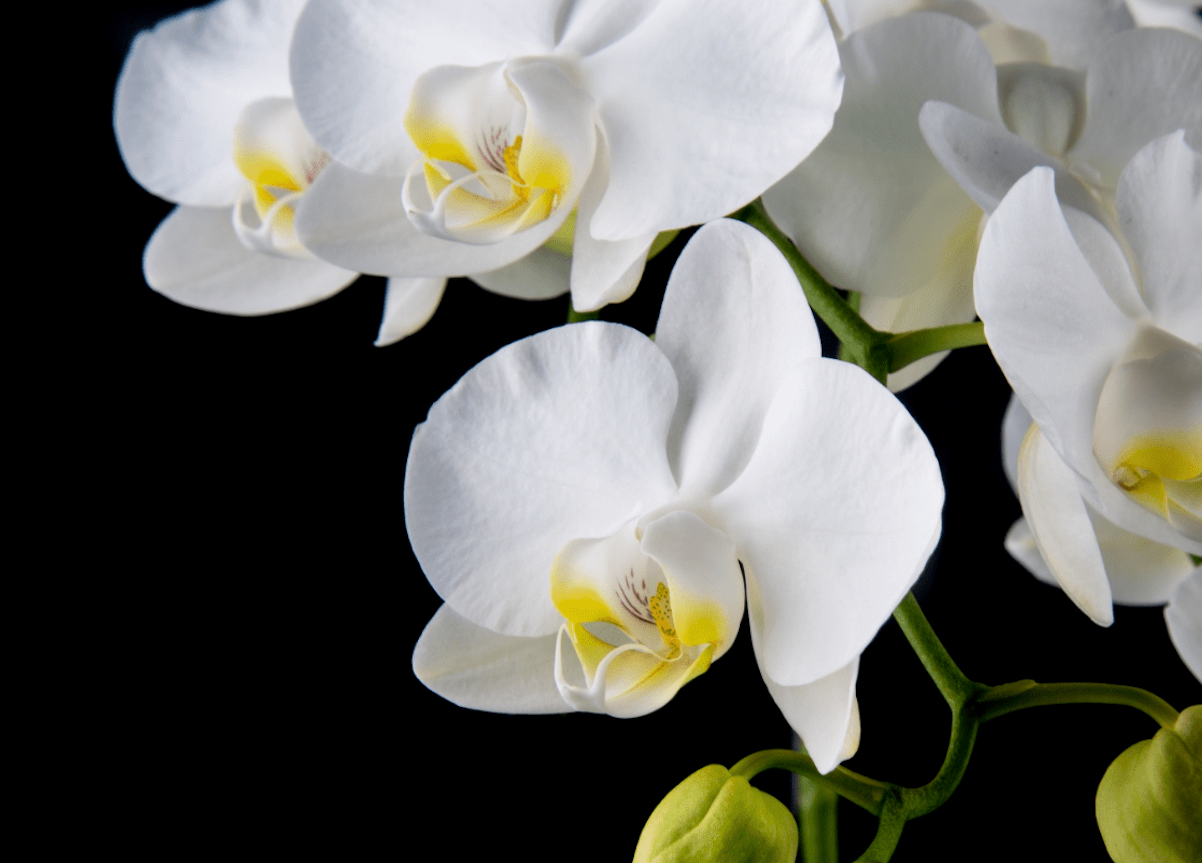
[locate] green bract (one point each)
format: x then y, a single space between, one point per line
1148 800
713 816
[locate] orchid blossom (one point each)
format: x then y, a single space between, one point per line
204 117
589 504
1140 571
1099 336
891 203
478 132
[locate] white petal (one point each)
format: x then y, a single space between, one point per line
1179 14
1057 516
1142 85
481 669
702 569
357 220
1015 424
540 275
986 159
707 103
1139 571
1184 618
376 51
871 208
734 323
603 271
1049 321
836 513
823 713
1160 208
1073 29
195 259
1044 105
557 436
183 86
408 306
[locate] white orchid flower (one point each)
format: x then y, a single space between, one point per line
471 130
931 135
589 502
204 118
1140 571
1099 336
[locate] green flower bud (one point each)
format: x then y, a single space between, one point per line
713 816
1150 798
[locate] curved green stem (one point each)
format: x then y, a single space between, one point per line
863 791
1000 700
927 798
888 832
905 348
955 687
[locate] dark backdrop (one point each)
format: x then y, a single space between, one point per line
240 676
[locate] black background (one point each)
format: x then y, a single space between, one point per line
238 676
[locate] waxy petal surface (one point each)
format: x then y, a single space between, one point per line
1184 618
484 670
183 87
408 306
195 259
734 324
557 436
705 104
836 514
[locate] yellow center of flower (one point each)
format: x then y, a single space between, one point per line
660 608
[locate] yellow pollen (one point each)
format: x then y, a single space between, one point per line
660 607
511 154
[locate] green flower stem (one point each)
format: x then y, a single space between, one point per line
905 348
818 821
927 798
955 687
864 792
1000 700
575 317
888 832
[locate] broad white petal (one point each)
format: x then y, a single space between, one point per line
183 86
1015 424
1160 209
408 306
706 104
823 713
603 271
1057 516
871 208
484 670
357 220
836 514
558 436
734 323
986 159
1142 85
195 259
540 275
376 51
1184 618
1049 321
1044 105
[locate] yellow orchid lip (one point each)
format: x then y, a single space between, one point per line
279 160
